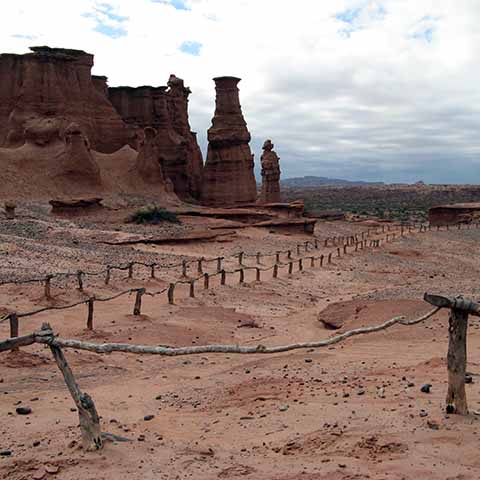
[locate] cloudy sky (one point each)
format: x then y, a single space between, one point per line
360 89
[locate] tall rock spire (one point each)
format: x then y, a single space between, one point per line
228 177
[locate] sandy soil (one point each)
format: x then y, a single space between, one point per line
351 411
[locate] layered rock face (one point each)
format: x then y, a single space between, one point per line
148 165
270 174
166 110
228 177
56 84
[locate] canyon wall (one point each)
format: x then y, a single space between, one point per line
56 84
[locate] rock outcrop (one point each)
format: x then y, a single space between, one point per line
78 164
165 109
148 165
54 84
228 177
454 214
270 174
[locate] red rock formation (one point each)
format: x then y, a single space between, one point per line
148 165
166 110
270 174
78 164
56 84
454 214
228 177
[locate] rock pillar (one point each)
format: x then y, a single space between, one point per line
228 177
270 174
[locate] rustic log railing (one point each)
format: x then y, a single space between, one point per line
88 417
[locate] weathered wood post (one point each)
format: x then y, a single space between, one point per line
316 243
223 277
300 265
138 301
322 257
460 309
90 303
130 270
107 275
277 257
258 279
242 276
290 268
345 249
312 262
171 294
307 243
289 254
219 264
200 266
152 270
87 413
275 271
325 244
48 291
330 257
13 318
192 289
206 281
356 246
298 249
10 210
339 252
259 255
184 268
240 258
80 280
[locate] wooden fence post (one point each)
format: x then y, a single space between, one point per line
300 265
312 262
345 249
223 277
90 302
289 254
240 258
258 275
330 257
184 268
87 413
200 266
171 294
206 281
152 270
258 258
219 264
192 289
316 243
460 308
138 301
48 291
14 328
130 270
306 245
321 260
298 249
325 244
242 276
80 280
290 268
277 257
275 271
338 252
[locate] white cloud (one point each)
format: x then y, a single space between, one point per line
394 99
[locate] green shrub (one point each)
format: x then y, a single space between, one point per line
153 214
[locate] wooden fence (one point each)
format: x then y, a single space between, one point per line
92 436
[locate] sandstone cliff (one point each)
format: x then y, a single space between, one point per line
165 109
56 84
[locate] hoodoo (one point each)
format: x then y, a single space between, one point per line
270 174
228 177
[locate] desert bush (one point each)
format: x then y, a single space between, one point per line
153 214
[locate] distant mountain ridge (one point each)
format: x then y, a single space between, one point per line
313 181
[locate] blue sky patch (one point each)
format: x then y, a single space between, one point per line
191 48
178 4
108 22
349 16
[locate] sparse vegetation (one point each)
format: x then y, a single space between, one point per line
153 214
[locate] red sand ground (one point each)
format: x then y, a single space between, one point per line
351 411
